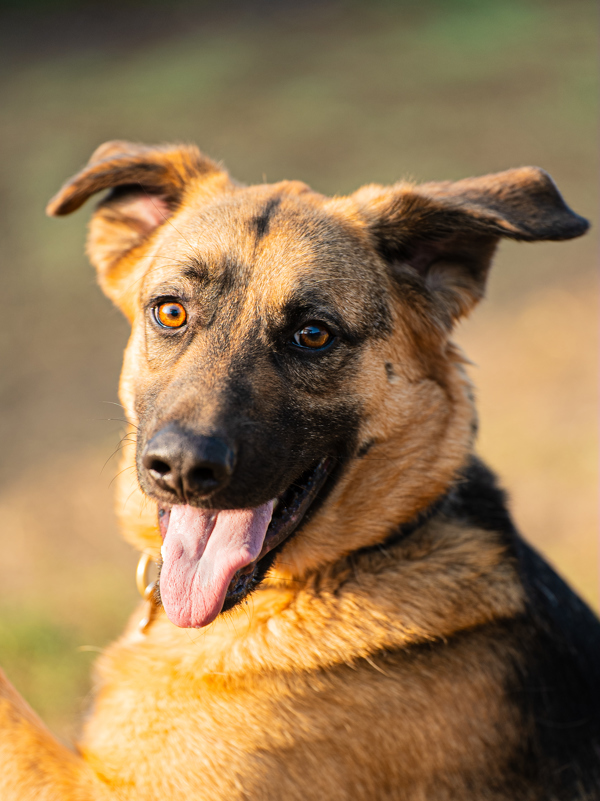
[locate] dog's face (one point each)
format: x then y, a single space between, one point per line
289 372
275 304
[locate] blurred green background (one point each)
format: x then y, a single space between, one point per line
333 93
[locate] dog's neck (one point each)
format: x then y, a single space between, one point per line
370 601
473 499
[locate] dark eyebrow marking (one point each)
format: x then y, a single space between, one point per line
260 224
222 277
195 271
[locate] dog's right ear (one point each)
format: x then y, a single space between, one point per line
443 235
147 186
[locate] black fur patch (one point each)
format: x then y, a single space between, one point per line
477 500
196 271
558 686
365 448
260 224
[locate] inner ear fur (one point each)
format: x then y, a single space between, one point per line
147 184
442 236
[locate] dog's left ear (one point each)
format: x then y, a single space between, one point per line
147 185
445 234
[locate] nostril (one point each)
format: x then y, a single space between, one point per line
202 478
158 468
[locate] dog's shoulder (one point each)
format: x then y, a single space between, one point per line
555 650
558 611
558 680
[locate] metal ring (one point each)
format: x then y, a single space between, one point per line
142 579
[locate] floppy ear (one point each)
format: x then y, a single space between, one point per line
444 235
147 185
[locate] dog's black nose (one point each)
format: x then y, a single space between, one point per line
188 464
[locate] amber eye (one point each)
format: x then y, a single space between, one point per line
170 315
313 336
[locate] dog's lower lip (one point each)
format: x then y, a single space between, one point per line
291 506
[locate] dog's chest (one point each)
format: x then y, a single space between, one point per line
389 726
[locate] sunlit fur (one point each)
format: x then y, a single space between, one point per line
350 673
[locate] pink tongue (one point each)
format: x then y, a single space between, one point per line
202 550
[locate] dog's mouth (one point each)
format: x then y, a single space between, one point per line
212 559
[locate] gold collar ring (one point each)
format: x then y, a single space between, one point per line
146 589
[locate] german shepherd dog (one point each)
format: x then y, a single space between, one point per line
345 609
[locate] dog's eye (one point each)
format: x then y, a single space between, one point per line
314 336
170 315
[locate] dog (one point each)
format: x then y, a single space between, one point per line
345 609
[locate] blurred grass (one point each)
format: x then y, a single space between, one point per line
47 663
336 94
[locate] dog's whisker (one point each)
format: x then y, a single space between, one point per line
114 403
124 470
340 280
131 494
117 420
113 454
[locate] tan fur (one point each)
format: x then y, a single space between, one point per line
267 681
347 675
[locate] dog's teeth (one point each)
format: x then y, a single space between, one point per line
275 504
162 552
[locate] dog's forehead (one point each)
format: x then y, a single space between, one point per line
279 240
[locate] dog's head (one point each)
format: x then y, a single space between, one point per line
289 370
